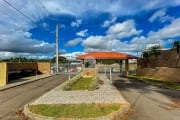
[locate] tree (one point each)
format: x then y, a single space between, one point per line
145 54
176 45
155 51
61 59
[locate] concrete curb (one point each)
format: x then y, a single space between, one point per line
112 116
22 83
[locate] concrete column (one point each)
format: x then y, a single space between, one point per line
3 74
57 50
120 67
126 67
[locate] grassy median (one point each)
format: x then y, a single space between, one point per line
74 110
84 83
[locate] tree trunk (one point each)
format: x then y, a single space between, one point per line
157 63
177 59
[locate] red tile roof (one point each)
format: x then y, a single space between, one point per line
106 55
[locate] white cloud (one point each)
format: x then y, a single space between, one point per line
73 55
7 55
62 51
74 42
76 23
19 41
112 40
62 26
161 37
27 34
138 43
115 7
14 28
124 29
107 23
45 25
95 42
15 37
169 31
161 16
82 33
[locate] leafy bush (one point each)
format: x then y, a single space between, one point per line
94 84
71 82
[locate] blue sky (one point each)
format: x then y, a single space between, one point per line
85 26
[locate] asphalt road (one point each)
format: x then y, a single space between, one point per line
149 102
15 98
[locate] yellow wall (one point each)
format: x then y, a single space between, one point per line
87 72
3 74
44 67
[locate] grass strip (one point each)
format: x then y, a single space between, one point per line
83 83
158 82
74 110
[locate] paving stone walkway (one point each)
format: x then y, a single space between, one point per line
107 93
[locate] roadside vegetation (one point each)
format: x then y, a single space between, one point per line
152 51
61 59
158 82
156 50
83 83
74 110
176 46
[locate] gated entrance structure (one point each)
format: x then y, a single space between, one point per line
102 56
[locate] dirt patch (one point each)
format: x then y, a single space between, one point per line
101 82
176 102
21 114
124 115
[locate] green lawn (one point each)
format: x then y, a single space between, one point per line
160 83
84 83
74 110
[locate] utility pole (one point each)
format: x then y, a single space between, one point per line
57 50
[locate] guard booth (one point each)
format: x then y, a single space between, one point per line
90 65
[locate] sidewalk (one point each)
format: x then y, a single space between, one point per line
24 81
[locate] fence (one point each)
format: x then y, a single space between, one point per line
116 70
67 68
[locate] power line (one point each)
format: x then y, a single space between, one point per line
48 13
44 7
21 13
9 4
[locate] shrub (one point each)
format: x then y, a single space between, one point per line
94 84
71 82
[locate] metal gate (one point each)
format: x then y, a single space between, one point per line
70 69
115 70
